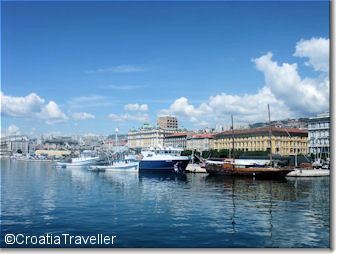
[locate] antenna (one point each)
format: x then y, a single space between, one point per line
116 136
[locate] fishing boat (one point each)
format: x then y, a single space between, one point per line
116 160
251 168
123 165
86 158
163 160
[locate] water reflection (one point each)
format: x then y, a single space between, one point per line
159 210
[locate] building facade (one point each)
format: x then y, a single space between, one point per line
285 141
319 134
200 142
176 140
14 144
148 136
167 122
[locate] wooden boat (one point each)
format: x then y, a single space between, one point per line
231 169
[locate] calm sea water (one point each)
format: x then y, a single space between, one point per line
163 211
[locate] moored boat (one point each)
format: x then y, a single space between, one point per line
230 168
163 160
251 168
85 159
123 165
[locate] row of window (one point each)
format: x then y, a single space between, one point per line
319 125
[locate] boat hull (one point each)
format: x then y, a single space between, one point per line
162 166
117 167
78 163
252 172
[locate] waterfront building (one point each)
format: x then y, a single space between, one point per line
14 144
167 122
200 142
285 141
148 136
319 134
4 147
176 140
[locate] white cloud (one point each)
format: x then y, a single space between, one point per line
302 95
13 130
119 69
317 50
21 106
287 93
52 113
82 116
136 107
182 107
31 106
140 117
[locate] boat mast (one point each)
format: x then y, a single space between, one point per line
232 137
270 154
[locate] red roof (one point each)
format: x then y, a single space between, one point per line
175 135
202 136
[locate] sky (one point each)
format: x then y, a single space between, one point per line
91 67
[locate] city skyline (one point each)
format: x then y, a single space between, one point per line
93 67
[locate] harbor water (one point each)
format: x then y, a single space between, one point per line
195 210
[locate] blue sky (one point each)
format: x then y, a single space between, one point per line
97 57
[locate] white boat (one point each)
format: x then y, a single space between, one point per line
163 160
85 159
123 165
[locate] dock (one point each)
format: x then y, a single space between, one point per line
309 173
195 168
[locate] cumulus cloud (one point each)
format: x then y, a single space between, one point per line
31 106
82 116
302 95
13 130
182 106
317 50
288 94
21 106
136 107
140 117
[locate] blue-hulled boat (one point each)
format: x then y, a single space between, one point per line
163 160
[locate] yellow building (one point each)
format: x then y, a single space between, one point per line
285 141
53 153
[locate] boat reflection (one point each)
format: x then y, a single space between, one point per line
162 177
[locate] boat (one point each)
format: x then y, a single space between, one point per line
251 168
86 159
122 165
163 160
231 168
117 160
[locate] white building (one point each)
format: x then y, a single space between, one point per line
148 136
319 134
200 142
